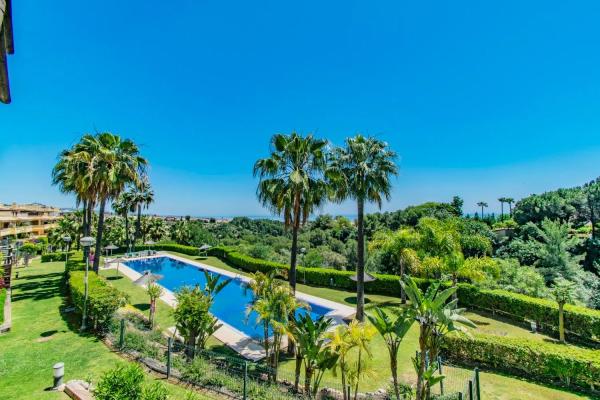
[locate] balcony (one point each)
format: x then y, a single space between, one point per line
16 230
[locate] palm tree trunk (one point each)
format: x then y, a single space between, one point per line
394 369
307 377
99 235
561 322
421 371
152 311
501 211
126 230
294 255
297 375
84 220
360 264
402 293
138 228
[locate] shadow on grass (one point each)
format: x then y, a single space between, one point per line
142 306
114 278
352 300
37 287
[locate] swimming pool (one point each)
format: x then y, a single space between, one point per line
229 305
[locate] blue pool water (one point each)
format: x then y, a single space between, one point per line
230 304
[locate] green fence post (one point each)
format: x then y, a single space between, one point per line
471 389
245 380
477 387
169 347
441 373
122 335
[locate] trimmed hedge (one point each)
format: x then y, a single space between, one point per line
540 361
103 298
57 256
583 322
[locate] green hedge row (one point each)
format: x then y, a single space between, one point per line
179 248
58 256
581 321
540 361
103 298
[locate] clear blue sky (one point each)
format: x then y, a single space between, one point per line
480 99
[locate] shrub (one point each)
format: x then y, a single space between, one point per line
58 256
581 321
123 382
155 391
103 299
537 360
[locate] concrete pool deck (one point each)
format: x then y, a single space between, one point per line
240 342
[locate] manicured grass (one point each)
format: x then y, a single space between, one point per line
2 300
43 334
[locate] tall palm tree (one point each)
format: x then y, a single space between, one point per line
509 201
122 205
141 197
115 163
362 171
292 183
483 205
69 174
502 200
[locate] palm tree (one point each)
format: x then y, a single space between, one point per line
122 205
393 331
502 200
509 201
403 245
563 292
141 196
482 204
261 284
115 163
345 338
213 284
276 307
70 175
154 291
311 348
291 183
436 318
362 171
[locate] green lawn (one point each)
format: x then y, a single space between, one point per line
42 335
494 386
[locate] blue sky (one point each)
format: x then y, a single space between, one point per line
479 99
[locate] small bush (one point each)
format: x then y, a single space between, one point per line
123 382
58 256
540 361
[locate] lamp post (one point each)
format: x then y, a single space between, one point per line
86 242
67 240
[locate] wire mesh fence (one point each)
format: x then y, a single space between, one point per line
237 378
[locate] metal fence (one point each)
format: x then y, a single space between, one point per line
234 377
